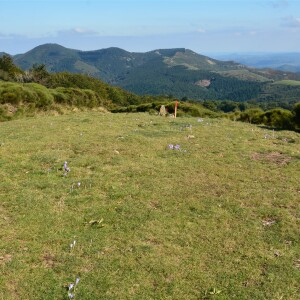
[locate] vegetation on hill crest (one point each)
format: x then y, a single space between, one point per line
163 72
26 92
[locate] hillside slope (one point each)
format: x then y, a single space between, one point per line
179 72
217 220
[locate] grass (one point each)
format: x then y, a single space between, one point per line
217 220
244 74
288 82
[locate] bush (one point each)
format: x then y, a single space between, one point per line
77 97
39 95
191 109
251 115
3 114
144 107
279 118
9 97
17 94
184 109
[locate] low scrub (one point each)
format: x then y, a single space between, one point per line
18 94
275 118
278 118
184 109
77 97
18 99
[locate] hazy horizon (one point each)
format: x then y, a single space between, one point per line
212 53
204 26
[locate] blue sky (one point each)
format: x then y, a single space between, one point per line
204 26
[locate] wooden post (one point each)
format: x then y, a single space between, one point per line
175 112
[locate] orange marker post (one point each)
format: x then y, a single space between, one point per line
175 112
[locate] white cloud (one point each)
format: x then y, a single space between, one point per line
77 31
83 30
290 21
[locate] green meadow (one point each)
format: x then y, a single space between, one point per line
288 82
218 218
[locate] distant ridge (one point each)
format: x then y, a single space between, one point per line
289 62
178 72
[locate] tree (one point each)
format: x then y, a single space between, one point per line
39 73
227 106
184 99
6 63
7 66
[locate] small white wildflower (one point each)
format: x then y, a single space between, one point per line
71 296
66 167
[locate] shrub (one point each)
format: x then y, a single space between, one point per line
9 97
3 114
77 97
279 118
16 94
251 115
144 107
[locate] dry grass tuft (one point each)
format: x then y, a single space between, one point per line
277 158
6 258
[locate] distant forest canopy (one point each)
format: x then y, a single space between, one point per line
23 92
179 73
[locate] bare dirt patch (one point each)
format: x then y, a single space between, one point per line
6 258
48 260
272 157
203 82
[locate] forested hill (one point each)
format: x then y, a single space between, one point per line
179 72
112 64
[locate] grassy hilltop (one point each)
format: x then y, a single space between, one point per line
217 219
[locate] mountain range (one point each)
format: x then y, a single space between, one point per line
179 72
287 62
